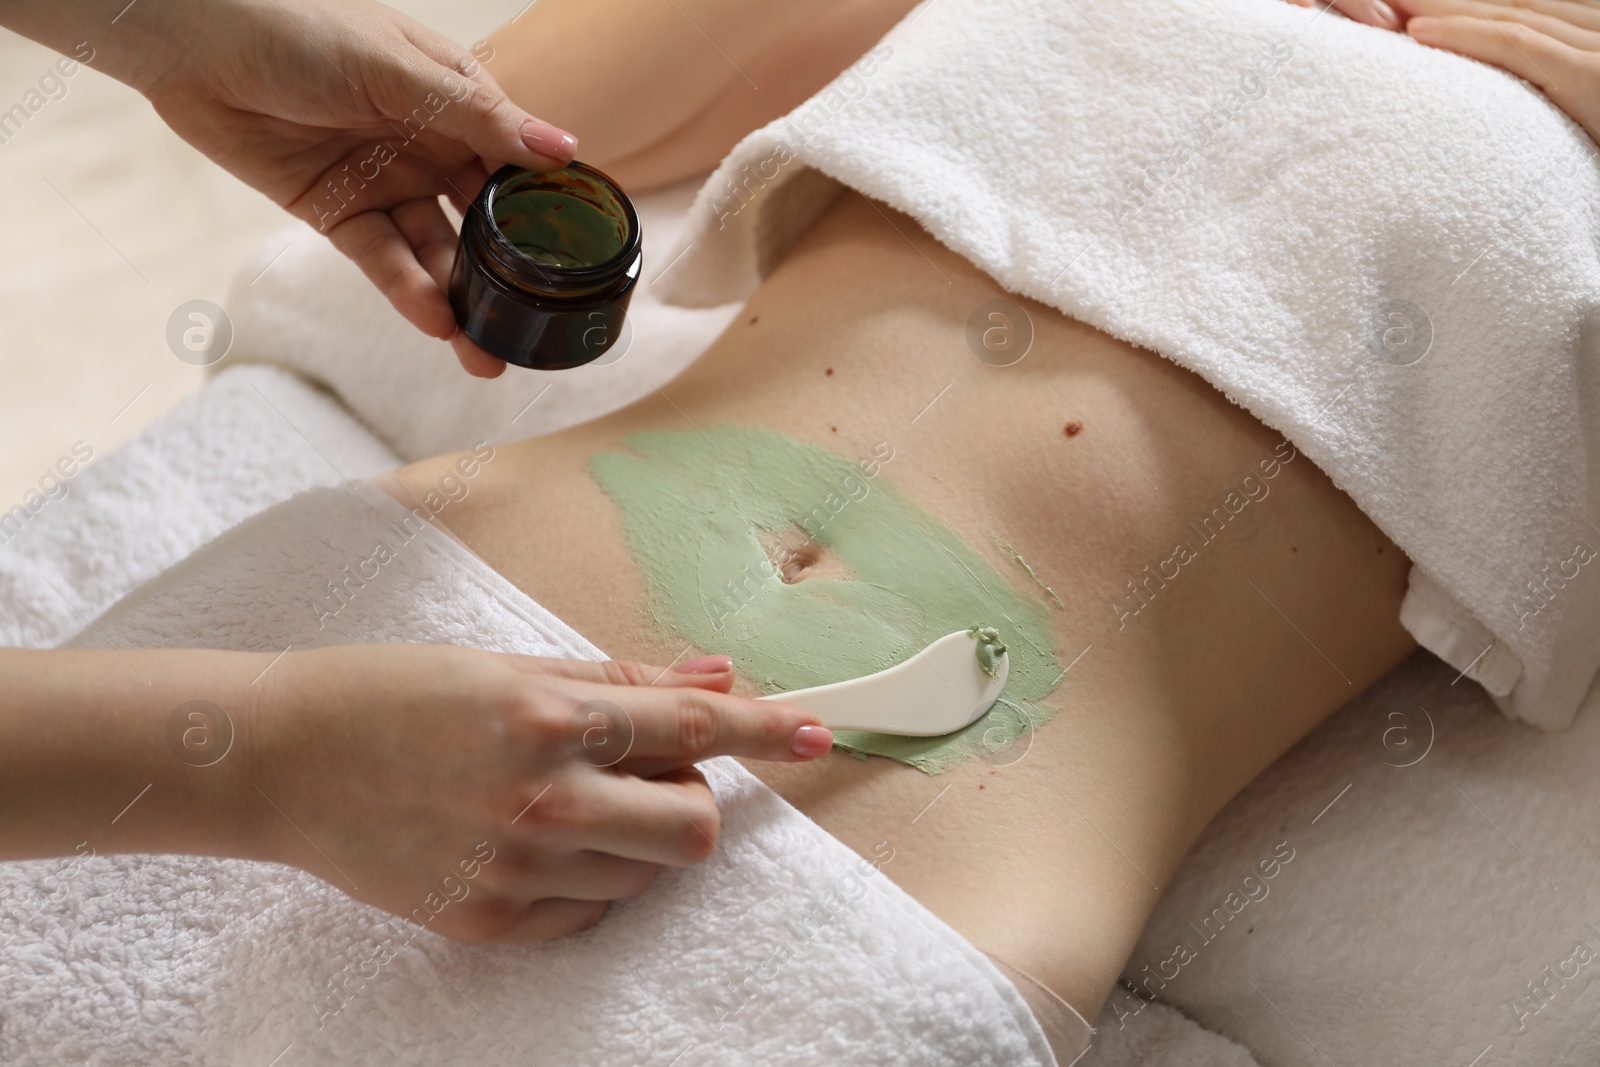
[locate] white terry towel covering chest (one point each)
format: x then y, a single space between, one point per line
784 948
1291 205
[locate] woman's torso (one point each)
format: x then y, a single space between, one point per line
1090 461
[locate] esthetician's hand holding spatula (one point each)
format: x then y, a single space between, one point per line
578 778
486 797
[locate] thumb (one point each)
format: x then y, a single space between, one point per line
480 115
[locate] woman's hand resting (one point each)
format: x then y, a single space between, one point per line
499 797
1371 12
1555 44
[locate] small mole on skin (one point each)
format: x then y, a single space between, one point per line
1294 549
835 429
1073 428
982 786
754 319
830 372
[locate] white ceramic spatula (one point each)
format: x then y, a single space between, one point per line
937 691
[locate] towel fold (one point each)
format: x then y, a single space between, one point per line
785 948
1385 252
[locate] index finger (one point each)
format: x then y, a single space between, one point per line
1517 47
1567 23
669 728
1370 12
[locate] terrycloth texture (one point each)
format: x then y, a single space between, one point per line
785 948
1442 898
212 462
1164 1037
1436 966
1292 206
252 437
302 305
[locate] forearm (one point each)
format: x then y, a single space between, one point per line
134 43
690 77
619 73
138 750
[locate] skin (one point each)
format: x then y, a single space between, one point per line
1157 724
451 744
729 526
441 748
650 95
287 94
1555 44
1054 861
1372 12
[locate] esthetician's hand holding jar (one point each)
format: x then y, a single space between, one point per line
347 114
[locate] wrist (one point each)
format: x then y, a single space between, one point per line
219 754
149 39
129 751
203 710
277 730
136 44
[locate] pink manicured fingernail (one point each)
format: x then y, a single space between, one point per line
1385 13
706 665
548 140
811 741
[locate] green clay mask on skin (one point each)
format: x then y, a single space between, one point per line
701 510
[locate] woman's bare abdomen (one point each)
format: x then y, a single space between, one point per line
1211 593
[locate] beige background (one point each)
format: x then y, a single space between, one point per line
108 223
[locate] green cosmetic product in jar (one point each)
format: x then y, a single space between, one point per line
546 266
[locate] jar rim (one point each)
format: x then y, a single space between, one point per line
485 201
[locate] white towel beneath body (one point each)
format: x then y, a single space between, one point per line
315 313
198 960
1282 201
255 436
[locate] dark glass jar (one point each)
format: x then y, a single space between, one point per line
546 266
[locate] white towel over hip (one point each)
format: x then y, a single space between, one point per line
784 948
